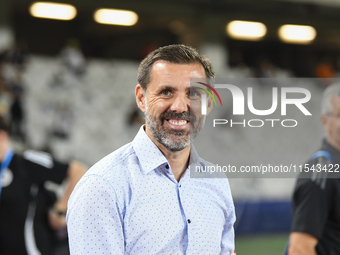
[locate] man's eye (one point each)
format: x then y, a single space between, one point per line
194 93
166 93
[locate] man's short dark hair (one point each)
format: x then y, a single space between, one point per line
4 126
175 54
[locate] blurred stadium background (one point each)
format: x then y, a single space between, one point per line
75 79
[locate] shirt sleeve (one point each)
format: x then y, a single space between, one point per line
42 167
94 219
311 206
228 234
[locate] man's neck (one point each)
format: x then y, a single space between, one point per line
178 160
3 149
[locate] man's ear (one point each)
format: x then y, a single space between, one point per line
324 120
140 97
210 105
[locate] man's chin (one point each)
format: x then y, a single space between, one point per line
175 147
176 142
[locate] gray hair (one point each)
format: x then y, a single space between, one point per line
328 94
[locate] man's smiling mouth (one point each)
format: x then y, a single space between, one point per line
177 122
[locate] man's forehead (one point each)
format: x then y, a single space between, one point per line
335 101
162 64
172 73
159 64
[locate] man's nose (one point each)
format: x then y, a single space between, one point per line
180 104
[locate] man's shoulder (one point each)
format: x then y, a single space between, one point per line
110 174
114 164
319 171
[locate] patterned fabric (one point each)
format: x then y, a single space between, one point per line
130 203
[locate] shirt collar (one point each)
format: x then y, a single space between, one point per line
334 152
194 158
149 156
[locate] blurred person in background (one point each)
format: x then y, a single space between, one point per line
63 120
316 199
5 99
325 71
324 68
29 213
140 199
265 69
17 110
18 54
73 57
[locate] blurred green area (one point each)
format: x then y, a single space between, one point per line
273 244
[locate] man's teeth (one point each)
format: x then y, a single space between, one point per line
178 122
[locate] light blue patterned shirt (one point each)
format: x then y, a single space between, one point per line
130 203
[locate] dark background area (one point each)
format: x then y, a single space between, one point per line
187 21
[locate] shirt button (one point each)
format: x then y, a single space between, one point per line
167 166
180 185
189 221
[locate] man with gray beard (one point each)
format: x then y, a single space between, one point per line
140 199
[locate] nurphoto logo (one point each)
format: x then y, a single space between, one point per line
238 107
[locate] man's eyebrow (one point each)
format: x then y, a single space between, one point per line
169 87
166 87
193 87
